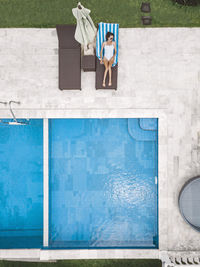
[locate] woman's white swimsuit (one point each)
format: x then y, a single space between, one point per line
108 51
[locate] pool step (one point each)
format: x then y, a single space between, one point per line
141 134
149 124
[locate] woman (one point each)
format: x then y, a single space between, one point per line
109 56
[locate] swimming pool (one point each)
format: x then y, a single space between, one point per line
103 183
103 190
21 185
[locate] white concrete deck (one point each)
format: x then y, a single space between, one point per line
159 76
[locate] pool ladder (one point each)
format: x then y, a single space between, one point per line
15 121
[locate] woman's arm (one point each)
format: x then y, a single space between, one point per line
115 49
102 51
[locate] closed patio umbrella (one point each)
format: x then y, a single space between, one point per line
85 29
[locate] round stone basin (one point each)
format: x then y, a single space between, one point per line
189 202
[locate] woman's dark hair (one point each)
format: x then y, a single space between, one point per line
108 34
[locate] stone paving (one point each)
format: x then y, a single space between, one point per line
159 76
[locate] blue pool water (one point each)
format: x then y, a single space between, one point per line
21 185
102 183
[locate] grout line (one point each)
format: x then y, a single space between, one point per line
104 109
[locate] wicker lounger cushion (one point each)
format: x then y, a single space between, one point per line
69 69
66 36
69 58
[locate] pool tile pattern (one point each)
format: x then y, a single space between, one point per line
102 185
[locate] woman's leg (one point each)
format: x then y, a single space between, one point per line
110 71
105 61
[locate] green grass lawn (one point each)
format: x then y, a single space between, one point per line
87 263
48 13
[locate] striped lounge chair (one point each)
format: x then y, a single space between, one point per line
103 28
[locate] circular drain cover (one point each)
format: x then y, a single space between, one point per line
189 202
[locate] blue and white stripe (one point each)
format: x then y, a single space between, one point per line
101 37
